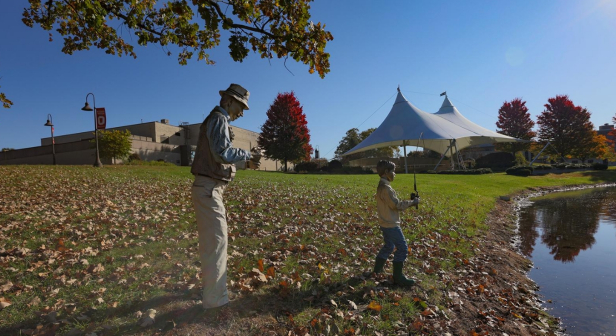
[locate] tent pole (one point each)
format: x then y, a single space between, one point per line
406 167
453 162
544 147
442 157
459 157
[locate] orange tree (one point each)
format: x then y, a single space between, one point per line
601 148
285 135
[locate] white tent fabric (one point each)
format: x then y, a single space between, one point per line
405 123
451 113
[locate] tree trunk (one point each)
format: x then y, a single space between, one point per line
285 166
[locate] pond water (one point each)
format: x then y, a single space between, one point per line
571 239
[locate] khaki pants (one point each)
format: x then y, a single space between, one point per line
212 226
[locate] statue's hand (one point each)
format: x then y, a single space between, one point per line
256 153
250 164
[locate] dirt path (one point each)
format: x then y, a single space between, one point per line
492 294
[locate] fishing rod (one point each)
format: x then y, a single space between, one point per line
416 193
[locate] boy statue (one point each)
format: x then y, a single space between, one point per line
389 207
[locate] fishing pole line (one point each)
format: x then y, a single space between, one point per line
416 193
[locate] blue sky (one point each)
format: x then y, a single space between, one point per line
481 52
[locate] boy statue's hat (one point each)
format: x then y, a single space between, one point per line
239 93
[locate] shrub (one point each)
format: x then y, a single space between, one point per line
520 171
573 166
148 163
467 171
306 166
520 160
134 157
321 162
470 163
496 161
334 164
542 167
599 166
524 172
351 170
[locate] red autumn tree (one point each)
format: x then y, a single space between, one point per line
514 121
567 127
611 138
285 135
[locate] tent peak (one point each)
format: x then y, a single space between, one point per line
446 103
400 98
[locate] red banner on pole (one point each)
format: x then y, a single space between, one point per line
101 118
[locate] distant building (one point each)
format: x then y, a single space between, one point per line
152 141
604 130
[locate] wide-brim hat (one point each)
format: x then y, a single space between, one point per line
239 93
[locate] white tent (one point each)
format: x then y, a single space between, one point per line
451 113
444 131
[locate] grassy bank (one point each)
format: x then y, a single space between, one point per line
84 249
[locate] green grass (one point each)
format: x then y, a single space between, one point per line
318 232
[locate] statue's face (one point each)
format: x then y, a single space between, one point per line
390 175
235 109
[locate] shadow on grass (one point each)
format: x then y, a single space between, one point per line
601 176
271 308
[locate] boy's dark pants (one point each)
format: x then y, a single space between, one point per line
393 238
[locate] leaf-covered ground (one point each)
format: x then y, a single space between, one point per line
113 251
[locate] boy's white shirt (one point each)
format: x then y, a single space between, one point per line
388 205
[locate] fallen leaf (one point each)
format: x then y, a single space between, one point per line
6 287
35 302
353 305
260 263
375 306
4 303
95 268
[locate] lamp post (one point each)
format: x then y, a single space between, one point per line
53 142
87 107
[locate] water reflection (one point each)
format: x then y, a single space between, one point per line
569 236
568 223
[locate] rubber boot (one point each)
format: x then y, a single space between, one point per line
399 277
379 264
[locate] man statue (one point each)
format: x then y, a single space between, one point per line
213 168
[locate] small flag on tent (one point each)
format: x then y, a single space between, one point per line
444 93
